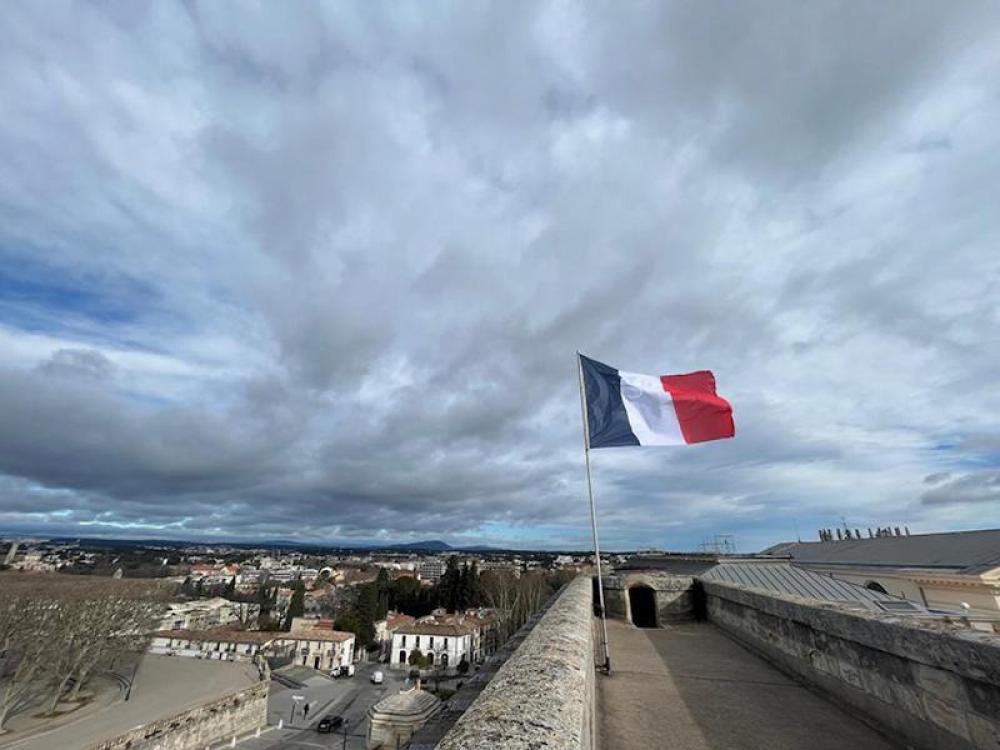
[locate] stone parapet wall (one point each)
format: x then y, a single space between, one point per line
543 696
235 715
927 686
674 595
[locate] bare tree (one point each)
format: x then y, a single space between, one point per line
100 622
57 632
25 624
503 595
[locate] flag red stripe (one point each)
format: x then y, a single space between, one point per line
701 413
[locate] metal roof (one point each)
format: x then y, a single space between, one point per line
960 551
783 578
676 564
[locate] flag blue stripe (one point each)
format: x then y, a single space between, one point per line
607 419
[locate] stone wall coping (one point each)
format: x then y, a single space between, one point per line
656 580
541 697
970 653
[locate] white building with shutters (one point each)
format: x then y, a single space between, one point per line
447 644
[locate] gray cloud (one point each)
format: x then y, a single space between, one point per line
87 363
329 282
976 488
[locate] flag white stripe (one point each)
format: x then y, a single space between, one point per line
651 413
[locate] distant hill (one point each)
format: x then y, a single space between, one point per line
434 545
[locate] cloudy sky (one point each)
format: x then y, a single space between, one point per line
276 270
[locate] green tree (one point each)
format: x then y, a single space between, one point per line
367 609
348 622
408 596
449 587
297 606
417 659
470 591
382 586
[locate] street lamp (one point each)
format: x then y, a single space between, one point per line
344 746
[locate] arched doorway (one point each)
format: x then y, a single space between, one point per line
642 605
402 658
444 660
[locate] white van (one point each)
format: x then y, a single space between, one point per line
377 677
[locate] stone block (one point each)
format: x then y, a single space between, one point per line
984 732
984 698
943 685
946 715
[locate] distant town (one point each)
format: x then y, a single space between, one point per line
274 646
298 618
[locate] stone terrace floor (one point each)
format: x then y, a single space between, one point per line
689 687
164 685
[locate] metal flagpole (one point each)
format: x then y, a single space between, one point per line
593 516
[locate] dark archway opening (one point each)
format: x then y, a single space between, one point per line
642 603
876 586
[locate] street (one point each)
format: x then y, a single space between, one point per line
350 697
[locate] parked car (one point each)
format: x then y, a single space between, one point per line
345 670
329 723
377 677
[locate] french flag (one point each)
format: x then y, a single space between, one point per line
626 408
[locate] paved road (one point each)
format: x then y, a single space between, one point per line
348 697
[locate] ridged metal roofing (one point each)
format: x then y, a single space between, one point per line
965 551
780 577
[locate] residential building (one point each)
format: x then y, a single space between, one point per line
384 630
252 577
448 644
204 614
432 568
500 566
317 648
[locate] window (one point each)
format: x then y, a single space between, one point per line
444 645
430 642
418 641
876 586
404 640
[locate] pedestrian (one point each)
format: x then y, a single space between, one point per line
305 711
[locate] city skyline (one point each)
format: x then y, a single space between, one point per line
328 285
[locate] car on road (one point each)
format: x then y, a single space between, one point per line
377 677
329 723
346 670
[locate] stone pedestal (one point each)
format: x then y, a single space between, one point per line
394 719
